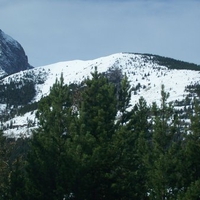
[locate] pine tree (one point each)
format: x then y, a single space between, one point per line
17 185
4 166
162 163
49 165
192 192
54 110
98 109
124 164
93 141
191 161
141 127
11 177
123 101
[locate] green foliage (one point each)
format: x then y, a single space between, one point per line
17 166
140 127
162 163
91 144
93 141
4 165
12 156
192 192
123 101
17 93
191 172
49 166
27 108
54 110
98 109
172 63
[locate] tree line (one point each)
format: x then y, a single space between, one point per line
92 144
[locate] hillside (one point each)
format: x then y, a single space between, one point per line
20 92
12 56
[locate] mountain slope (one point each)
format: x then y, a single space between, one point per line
146 74
12 56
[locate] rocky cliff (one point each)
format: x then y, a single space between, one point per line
12 56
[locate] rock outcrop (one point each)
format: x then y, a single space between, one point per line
12 56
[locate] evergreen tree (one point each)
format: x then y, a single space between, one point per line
191 161
54 110
192 192
17 183
4 166
130 140
93 141
126 174
98 109
49 165
163 175
141 127
123 101
11 175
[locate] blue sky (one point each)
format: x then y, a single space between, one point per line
59 30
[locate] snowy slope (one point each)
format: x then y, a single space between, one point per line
150 75
140 69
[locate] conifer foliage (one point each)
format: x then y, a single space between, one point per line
92 144
48 163
162 164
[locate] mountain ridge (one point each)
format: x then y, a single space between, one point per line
145 73
77 70
22 86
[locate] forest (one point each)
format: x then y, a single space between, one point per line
92 144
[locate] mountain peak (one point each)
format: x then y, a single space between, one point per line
12 56
146 74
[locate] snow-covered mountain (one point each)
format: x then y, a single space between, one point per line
145 72
12 56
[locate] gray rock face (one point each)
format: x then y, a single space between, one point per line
12 56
